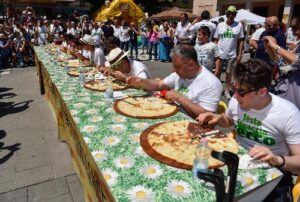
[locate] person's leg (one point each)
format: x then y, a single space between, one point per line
229 69
155 50
136 50
150 50
126 45
131 49
122 45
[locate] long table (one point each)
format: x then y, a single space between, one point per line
106 151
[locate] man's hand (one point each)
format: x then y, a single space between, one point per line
173 96
134 81
119 75
265 154
106 71
209 118
270 42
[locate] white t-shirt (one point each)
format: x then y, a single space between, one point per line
256 35
212 27
205 89
139 69
228 36
86 54
99 58
274 126
182 30
124 34
117 31
206 54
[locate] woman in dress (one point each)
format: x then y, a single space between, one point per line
165 43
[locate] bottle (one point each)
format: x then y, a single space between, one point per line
81 77
202 154
109 93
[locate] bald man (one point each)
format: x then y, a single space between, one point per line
272 29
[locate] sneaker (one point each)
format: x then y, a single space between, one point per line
227 95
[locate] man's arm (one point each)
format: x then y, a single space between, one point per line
253 43
290 163
240 50
218 69
146 84
215 119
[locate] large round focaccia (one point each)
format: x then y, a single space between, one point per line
145 107
75 72
101 85
171 143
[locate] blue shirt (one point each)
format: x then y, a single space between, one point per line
261 50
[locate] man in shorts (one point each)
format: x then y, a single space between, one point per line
229 37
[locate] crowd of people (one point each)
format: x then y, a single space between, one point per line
199 51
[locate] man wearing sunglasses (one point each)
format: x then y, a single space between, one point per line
272 29
267 125
191 86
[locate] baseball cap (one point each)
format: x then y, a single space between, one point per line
231 9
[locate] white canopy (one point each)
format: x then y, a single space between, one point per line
248 17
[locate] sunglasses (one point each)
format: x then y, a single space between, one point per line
242 92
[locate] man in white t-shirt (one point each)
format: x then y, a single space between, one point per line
181 33
267 125
121 67
192 86
97 56
205 16
229 37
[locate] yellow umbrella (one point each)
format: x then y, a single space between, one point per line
125 9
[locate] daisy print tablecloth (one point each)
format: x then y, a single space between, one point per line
113 141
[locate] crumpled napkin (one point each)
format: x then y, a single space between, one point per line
247 162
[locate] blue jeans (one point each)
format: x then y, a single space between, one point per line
133 45
151 45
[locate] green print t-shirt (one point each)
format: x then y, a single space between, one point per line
274 126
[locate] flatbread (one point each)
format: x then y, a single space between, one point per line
101 85
171 143
75 72
145 107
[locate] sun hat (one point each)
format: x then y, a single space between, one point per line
88 39
231 9
114 57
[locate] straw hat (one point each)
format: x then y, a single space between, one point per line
88 39
115 56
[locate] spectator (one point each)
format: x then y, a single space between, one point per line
133 40
153 41
207 51
182 34
144 36
272 29
165 43
205 16
124 36
229 37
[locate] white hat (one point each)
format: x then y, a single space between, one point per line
115 56
87 39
